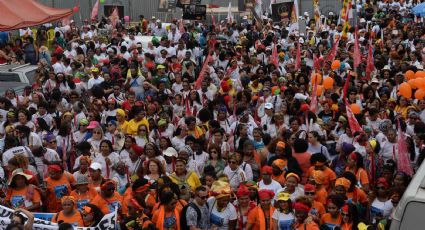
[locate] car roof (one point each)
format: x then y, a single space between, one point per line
17 86
17 68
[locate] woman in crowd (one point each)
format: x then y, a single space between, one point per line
21 194
91 215
69 213
283 215
223 214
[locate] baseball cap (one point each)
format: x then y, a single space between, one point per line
170 152
268 105
96 166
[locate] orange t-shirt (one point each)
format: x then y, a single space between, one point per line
24 197
107 205
320 208
346 226
281 179
76 219
310 226
126 199
83 199
321 195
253 218
179 206
330 222
330 175
361 176
303 160
56 189
359 197
169 218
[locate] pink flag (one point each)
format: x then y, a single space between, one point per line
356 55
274 57
298 60
181 27
229 14
332 53
212 19
403 163
316 63
114 17
313 102
198 82
95 11
188 111
370 66
352 121
347 81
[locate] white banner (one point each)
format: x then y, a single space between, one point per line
108 222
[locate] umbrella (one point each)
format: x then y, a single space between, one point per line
419 10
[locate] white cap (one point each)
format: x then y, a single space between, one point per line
374 80
306 14
170 152
331 13
96 166
300 96
268 105
245 17
362 20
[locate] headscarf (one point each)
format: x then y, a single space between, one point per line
68 198
265 194
54 168
85 158
280 144
281 164
318 176
220 189
267 169
292 175
242 191
299 206
137 149
383 181
343 182
251 184
309 187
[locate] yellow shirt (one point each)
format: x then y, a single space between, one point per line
192 180
133 125
123 126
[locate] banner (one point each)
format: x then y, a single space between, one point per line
194 12
282 11
108 222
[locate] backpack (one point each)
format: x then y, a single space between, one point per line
183 220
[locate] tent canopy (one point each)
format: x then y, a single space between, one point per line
24 13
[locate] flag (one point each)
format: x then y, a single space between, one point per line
298 58
346 22
188 111
317 15
258 8
403 162
114 17
370 66
352 121
356 55
316 63
345 88
295 12
313 102
95 11
229 14
332 53
181 27
198 82
213 20
274 60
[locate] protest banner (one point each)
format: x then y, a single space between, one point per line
108 222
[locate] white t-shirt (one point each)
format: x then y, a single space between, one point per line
94 81
236 177
274 186
384 208
10 153
284 221
221 219
113 157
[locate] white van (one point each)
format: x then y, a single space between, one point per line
410 211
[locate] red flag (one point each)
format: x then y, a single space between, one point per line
114 17
181 27
403 162
274 57
332 53
352 121
370 65
356 55
95 11
298 60
198 82
313 102
347 81
188 111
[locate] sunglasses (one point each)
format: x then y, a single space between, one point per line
380 188
204 197
97 132
51 142
308 193
232 162
344 214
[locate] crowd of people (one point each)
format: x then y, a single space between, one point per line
236 125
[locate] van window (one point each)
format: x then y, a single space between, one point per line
31 76
9 77
413 216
